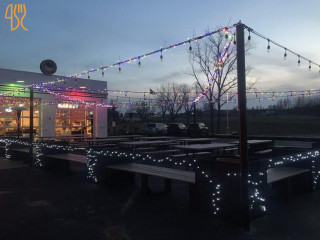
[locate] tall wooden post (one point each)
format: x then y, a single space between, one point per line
31 127
242 105
194 114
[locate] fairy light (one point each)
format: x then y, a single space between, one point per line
208 84
309 65
96 160
249 38
285 54
283 47
161 57
182 43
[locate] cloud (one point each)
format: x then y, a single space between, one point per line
167 78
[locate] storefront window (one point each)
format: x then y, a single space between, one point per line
9 120
74 119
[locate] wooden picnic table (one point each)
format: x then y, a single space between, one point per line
127 136
255 142
193 140
156 138
91 142
194 148
135 144
257 145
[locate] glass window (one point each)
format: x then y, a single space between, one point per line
74 119
9 119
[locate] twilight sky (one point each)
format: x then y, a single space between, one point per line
79 35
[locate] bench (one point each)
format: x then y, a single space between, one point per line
182 155
23 150
263 152
286 174
147 170
162 152
280 173
70 157
141 149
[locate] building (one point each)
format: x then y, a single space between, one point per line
62 106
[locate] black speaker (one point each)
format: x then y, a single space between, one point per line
48 67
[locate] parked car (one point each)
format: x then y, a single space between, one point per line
177 129
198 129
156 128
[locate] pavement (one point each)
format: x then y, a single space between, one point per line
38 204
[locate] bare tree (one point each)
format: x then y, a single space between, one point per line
142 108
209 66
161 101
187 100
171 100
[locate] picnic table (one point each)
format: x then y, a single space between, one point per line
127 136
92 142
193 140
135 144
255 142
257 145
194 148
156 138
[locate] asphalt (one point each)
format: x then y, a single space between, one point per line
38 204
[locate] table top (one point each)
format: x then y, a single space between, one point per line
202 147
138 143
196 139
107 140
156 138
252 142
126 136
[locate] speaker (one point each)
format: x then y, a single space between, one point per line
48 67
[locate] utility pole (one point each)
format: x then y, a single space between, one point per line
243 136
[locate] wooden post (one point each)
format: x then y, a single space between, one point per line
241 71
194 114
31 127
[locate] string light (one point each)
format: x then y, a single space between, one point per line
190 47
216 71
299 60
309 65
161 57
268 47
195 39
281 46
249 38
139 62
285 54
